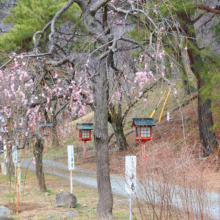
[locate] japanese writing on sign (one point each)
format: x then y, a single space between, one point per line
14 154
130 174
70 157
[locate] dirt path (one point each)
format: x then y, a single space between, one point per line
88 179
84 177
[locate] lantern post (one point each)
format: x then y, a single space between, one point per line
143 132
85 131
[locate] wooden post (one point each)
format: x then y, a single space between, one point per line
144 150
71 181
18 184
70 150
85 153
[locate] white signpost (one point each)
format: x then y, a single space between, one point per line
130 178
71 164
15 157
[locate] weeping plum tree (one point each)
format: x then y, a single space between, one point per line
83 79
36 83
75 76
26 94
97 70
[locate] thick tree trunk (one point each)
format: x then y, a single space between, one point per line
38 153
120 137
105 203
117 126
207 137
205 120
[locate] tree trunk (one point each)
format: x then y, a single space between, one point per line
100 89
55 142
38 153
205 120
117 126
207 137
186 83
120 137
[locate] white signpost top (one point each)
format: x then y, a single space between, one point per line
14 154
70 157
130 174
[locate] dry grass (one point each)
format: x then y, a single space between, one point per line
35 205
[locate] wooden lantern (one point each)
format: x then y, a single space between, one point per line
143 132
46 128
85 132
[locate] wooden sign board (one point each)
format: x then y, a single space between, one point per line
70 157
130 174
14 154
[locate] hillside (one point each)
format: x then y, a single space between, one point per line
175 148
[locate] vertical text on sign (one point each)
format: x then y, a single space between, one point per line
14 154
70 157
130 174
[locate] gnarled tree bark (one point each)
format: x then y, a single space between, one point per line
100 89
117 124
38 153
205 119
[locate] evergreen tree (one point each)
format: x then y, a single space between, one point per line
199 59
28 17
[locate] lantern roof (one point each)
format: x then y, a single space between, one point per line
84 126
143 122
46 124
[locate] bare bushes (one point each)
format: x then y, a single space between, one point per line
171 185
